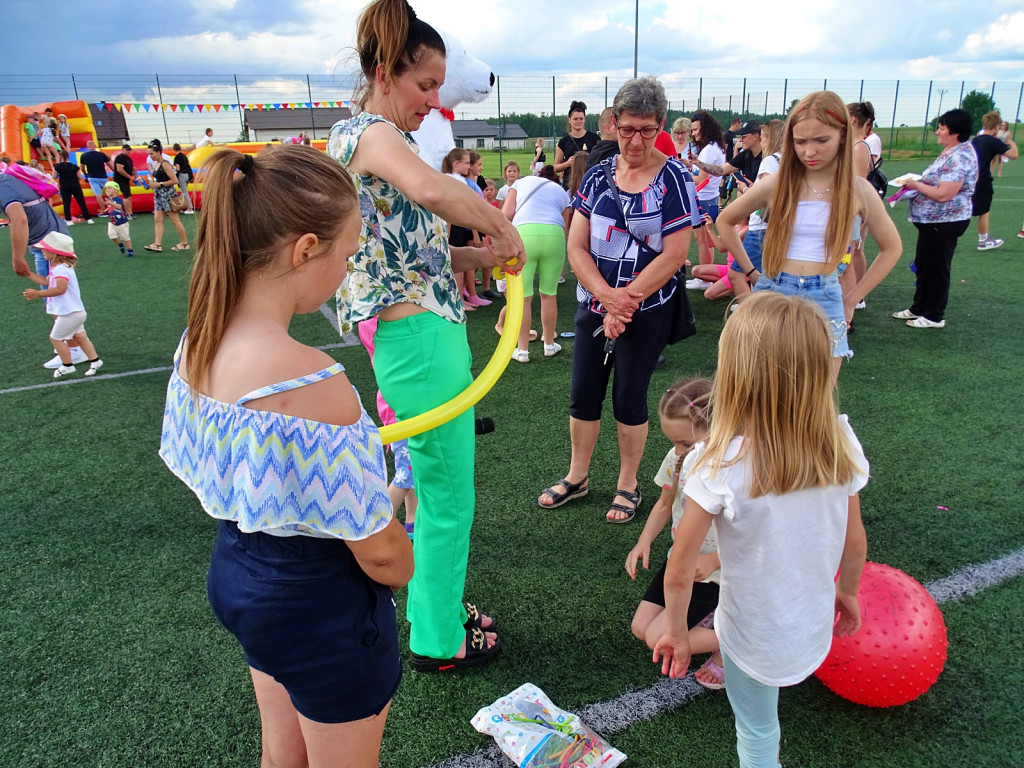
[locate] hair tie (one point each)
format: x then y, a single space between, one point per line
246 164
837 117
690 404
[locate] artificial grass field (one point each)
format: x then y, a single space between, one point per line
111 657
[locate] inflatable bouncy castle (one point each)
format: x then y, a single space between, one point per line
14 144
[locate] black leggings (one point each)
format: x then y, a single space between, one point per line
636 354
933 259
66 193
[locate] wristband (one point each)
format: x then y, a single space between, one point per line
752 271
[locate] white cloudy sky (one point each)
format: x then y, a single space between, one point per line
940 39
959 44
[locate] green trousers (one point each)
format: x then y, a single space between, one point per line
422 361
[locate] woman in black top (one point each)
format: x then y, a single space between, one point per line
578 139
67 174
185 177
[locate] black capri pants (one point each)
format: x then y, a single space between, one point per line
66 193
635 356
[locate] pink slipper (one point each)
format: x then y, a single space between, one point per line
716 671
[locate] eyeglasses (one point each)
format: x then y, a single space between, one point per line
679 133
647 132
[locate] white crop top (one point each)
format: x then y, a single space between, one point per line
808 240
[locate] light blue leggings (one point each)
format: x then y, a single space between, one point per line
756 707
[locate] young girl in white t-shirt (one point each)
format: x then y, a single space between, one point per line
779 475
684 411
63 299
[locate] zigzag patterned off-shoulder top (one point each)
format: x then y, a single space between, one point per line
275 473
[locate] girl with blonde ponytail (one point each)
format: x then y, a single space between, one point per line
271 437
814 204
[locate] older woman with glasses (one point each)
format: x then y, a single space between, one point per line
627 240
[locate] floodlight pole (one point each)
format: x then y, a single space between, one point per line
636 37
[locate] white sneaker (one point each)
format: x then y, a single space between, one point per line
77 356
988 245
64 370
550 350
696 284
521 355
91 221
70 223
93 367
861 305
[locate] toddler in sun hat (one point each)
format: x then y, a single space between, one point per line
64 301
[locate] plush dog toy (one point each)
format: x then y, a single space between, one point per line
467 79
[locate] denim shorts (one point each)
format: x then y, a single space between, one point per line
753 243
823 290
708 208
306 614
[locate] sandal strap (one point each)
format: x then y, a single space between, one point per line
634 497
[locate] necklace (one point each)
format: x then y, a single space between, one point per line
818 194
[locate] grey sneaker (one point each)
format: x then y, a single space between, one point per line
64 370
93 367
988 245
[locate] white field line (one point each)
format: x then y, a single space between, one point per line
611 717
348 340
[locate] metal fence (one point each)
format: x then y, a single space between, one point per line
180 107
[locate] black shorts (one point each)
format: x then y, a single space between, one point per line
306 614
35 143
125 187
981 201
703 600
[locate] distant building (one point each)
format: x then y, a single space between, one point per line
479 134
267 124
111 127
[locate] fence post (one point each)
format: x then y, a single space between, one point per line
765 116
312 116
892 131
74 85
824 86
744 105
927 110
700 92
961 101
605 91
992 93
730 102
861 97
241 111
501 125
552 106
1017 118
163 112
785 94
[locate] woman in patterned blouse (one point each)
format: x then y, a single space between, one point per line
404 274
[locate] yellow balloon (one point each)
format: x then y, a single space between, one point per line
472 394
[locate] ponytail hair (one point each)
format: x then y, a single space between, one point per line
863 113
577 171
391 36
829 109
454 156
687 399
253 207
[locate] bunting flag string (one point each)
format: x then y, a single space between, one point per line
137 106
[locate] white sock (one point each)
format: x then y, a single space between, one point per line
982 238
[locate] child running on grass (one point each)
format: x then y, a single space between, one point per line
684 411
117 224
779 475
64 300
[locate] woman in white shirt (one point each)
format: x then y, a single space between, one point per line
707 133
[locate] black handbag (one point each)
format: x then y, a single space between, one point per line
682 323
878 178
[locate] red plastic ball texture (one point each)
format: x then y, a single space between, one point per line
899 650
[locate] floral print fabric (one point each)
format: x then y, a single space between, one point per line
403 248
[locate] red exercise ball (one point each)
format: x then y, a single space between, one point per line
900 648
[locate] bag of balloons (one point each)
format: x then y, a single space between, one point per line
534 733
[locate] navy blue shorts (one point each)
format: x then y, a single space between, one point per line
306 614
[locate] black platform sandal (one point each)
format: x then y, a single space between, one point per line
477 654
